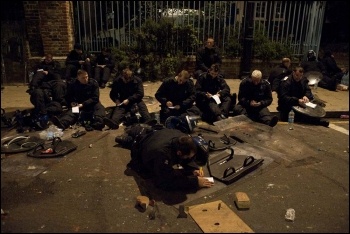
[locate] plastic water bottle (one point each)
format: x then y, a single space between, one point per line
291 120
316 84
50 133
157 117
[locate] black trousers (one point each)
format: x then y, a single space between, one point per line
49 98
119 112
211 110
106 74
97 113
261 115
165 112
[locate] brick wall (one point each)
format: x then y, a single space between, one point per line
49 27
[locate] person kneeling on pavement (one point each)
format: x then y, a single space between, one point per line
155 152
84 93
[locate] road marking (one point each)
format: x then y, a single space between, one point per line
339 129
331 125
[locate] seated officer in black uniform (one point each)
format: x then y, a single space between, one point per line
176 96
253 99
278 73
104 65
206 56
76 60
156 152
295 91
127 93
85 94
210 84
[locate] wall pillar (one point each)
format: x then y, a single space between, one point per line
50 27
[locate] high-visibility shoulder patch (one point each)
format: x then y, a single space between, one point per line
285 78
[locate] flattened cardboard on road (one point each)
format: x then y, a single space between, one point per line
217 217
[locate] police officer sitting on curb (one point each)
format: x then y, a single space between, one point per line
206 56
332 71
47 91
278 73
156 152
127 93
211 85
84 94
176 96
295 91
104 65
76 60
253 99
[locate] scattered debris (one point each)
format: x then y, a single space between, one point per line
242 200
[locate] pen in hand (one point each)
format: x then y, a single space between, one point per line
201 173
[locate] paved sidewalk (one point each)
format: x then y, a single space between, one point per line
337 102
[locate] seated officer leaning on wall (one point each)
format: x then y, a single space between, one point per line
85 94
154 153
47 90
315 68
76 60
104 66
295 91
253 99
206 56
332 70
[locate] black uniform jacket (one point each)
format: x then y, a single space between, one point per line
86 94
74 57
277 74
260 93
291 91
206 57
53 67
179 94
205 83
133 90
158 154
107 60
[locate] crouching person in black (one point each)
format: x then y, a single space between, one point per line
47 91
155 152
83 93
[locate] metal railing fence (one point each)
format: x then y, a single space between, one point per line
297 24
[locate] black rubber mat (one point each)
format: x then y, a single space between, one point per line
56 148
